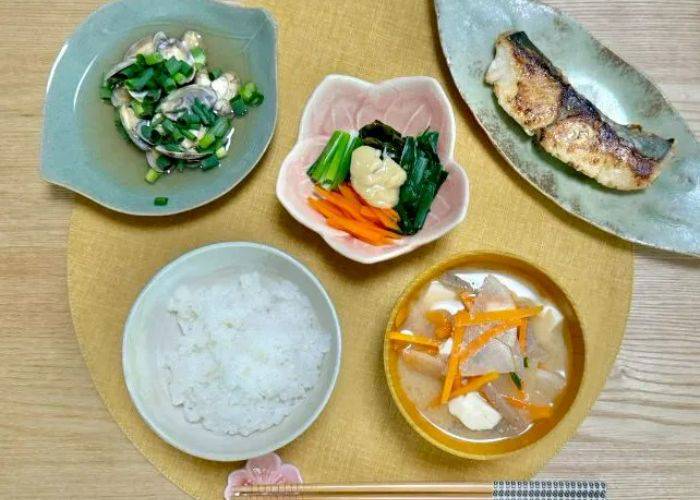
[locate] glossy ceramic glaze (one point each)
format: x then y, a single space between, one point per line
544 287
81 149
151 331
665 215
410 105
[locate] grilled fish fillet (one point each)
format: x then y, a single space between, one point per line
566 124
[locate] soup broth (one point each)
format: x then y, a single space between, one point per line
482 355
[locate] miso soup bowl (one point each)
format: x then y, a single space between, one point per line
545 286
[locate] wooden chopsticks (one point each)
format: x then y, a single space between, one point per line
571 490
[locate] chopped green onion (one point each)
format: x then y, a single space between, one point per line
221 152
221 127
132 70
526 362
166 83
247 91
152 175
172 130
516 380
204 113
179 78
215 73
190 118
153 59
105 93
172 66
187 133
175 148
139 82
138 108
163 163
186 69
239 106
160 201
206 140
257 99
210 162
200 58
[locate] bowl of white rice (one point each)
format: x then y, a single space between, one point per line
231 351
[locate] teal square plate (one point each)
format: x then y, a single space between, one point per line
82 150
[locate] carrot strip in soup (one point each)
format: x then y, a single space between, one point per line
535 411
466 298
463 318
475 384
478 343
452 365
413 339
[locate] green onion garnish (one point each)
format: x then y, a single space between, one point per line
247 91
160 201
238 106
210 162
139 82
172 129
152 59
200 58
163 162
257 99
516 380
172 66
186 69
206 140
215 73
152 175
221 126
221 152
132 70
179 78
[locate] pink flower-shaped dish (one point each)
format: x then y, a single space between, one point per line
410 105
267 469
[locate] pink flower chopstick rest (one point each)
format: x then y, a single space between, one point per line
268 469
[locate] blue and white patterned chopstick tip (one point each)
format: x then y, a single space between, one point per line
549 490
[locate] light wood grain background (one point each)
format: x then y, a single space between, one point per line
58 441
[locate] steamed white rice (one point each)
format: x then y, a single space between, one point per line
250 351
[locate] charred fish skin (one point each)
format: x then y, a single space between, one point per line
537 95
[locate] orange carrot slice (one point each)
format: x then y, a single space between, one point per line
369 214
384 219
358 230
324 208
349 194
340 202
452 365
478 343
463 318
466 298
475 384
414 339
535 411
391 213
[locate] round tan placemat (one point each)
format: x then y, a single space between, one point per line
360 436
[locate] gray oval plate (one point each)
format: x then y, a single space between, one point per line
81 149
665 215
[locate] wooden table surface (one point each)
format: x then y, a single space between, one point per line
57 439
